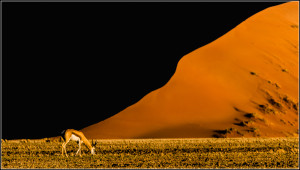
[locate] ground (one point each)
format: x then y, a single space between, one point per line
156 153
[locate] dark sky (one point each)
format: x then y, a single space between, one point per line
70 65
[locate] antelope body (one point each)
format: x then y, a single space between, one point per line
75 135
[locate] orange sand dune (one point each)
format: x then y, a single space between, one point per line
244 84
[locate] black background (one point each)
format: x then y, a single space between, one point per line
70 65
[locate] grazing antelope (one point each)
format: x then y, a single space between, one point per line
71 134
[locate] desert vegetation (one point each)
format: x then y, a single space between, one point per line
156 153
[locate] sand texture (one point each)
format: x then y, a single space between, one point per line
244 84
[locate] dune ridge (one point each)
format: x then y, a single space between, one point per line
244 84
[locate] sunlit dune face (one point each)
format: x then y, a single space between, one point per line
244 84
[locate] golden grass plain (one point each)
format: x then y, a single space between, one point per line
156 153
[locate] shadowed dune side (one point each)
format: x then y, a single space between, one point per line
243 84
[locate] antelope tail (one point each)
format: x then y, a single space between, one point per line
63 132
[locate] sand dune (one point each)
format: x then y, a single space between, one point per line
244 84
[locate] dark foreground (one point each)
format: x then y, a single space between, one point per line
156 153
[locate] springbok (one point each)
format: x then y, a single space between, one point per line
75 135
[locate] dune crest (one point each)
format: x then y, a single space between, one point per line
244 84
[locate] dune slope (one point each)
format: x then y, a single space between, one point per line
244 84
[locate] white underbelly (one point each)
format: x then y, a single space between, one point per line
74 137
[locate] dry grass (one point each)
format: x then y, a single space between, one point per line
294 26
289 102
265 108
157 153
